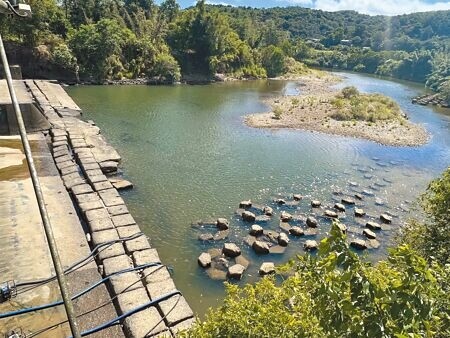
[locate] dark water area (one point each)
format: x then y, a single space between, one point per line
191 157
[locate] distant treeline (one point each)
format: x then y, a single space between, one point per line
116 39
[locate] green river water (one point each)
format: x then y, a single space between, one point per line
192 158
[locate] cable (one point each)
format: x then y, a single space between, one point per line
12 9
34 334
74 267
117 320
91 287
164 317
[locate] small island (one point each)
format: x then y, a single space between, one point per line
347 112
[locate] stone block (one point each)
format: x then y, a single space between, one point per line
59 138
97 214
69 170
156 274
140 243
70 176
123 220
109 251
93 172
82 189
60 148
63 159
156 290
85 155
64 164
86 160
115 264
97 178
118 210
90 166
74 182
88 197
125 282
60 143
182 326
111 201
79 144
176 309
92 205
100 224
100 186
109 166
145 323
129 230
100 237
146 256
60 153
57 132
130 300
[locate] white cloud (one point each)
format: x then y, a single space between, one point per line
374 7
212 2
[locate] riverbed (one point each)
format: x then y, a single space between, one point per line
191 157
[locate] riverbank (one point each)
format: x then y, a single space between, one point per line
312 110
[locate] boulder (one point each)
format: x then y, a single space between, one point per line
267 268
331 214
358 244
248 216
120 184
311 222
285 216
369 234
373 226
245 204
206 237
108 166
348 201
379 201
280 201
256 230
386 218
359 196
316 203
283 239
353 184
231 250
204 260
298 197
236 271
260 247
268 211
359 212
339 207
296 231
262 219
222 224
342 227
311 245
368 193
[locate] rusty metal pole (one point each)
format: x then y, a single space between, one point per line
40 200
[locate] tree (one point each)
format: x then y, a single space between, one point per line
273 60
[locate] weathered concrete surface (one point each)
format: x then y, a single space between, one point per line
23 95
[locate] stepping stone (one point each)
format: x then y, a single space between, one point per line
298 197
268 211
231 250
331 214
359 212
222 224
285 216
386 218
311 222
369 234
260 247
340 207
373 226
236 271
316 203
205 237
267 268
204 260
348 201
245 204
358 244
256 230
248 216
296 231
310 245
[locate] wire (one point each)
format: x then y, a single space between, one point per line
14 10
118 319
75 266
91 287
34 334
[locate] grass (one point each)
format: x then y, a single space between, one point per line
352 105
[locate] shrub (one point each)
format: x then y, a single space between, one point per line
349 92
277 112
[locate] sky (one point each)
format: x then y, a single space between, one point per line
372 7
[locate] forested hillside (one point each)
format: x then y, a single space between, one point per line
112 39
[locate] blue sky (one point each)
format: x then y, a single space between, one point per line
372 7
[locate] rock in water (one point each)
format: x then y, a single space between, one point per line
310 245
267 268
359 212
280 201
248 216
331 214
236 271
311 222
204 260
268 211
296 231
386 218
316 203
206 237
373 226
285 216
339 206
260 247
245 204
358 244
283 239
121 184
242 261
348 201
256 230
359 196
231 250
369 234
222 224
298 197
342 227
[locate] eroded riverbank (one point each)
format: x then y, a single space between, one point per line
313 110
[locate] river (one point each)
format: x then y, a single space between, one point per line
191 158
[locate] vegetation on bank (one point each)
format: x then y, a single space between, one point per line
353 105
130 39
339 294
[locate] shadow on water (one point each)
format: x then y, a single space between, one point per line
192 158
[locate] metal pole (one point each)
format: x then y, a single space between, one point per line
40 200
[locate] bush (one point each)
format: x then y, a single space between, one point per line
277 112
336 294
349 92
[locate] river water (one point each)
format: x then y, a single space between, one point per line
192 158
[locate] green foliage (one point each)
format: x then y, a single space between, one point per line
431 238
277 112
351 105
273 60
337 294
